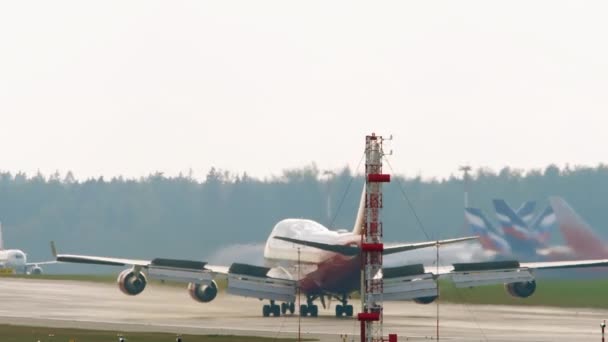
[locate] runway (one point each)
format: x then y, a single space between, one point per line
170 309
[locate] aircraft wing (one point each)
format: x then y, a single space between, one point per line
491 266
157 263
243 280
419 282
566 264
97 260
41 263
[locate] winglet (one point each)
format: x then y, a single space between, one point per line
53 249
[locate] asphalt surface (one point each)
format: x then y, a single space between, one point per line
170 309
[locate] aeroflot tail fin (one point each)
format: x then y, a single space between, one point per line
526 211
1 239
509 220
358 227
481 227
544 225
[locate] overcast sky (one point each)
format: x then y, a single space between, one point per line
131 87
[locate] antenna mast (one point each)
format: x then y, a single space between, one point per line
371 243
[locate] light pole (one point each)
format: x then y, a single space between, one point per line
328 176
465 169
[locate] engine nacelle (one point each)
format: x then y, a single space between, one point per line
131 283
522 289
203 293
425 300
36 270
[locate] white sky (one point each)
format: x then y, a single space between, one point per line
131 87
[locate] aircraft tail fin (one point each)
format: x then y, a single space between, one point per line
511 223
481 227
358 227
544 225
477 221
577 233
526 211
1 238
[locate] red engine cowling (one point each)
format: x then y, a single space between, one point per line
203 293
131 283
522 289
425 300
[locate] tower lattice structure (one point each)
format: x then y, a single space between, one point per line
371 243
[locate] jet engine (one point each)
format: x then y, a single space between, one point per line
522 289
203 293
131 282
425 300
36 270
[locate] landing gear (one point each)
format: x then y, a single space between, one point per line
344 308
291 307
271 309
309 308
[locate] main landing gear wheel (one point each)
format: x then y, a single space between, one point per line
311 310
344 309
291 307
271 309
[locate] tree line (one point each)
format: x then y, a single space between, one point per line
181 217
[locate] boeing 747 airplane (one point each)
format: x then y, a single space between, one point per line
323 264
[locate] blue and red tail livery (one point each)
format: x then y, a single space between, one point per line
526 211
516 231
544 225
481 227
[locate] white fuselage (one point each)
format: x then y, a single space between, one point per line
308 230
13 259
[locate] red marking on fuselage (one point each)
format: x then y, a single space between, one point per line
338 274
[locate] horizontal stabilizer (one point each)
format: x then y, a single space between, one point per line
419 245
354 250
341 249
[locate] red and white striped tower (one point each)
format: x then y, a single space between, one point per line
371 243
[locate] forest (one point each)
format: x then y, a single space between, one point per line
182 217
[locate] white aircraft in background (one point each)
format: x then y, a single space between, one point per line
323 264
15 260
